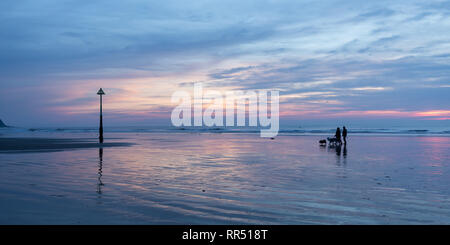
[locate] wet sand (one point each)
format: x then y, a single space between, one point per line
185 178
22 145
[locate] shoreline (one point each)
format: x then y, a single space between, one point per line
31 143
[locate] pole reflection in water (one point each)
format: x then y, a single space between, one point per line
100 166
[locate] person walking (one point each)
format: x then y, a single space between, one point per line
344 134
338 135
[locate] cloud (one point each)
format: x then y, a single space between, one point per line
372 56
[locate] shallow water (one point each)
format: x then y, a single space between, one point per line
187 178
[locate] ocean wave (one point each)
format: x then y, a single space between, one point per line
223 130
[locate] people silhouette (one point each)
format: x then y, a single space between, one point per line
344 134
338 135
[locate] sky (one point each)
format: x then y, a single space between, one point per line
346 61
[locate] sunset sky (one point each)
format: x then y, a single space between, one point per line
352 60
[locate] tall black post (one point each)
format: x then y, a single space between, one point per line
101 120
100 130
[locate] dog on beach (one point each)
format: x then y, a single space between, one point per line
322 142
333 141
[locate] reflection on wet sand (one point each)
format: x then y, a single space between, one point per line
231 178
100 166
345 154
339 151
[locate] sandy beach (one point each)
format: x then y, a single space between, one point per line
206 178
22 145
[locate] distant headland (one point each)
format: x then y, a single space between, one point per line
2 125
